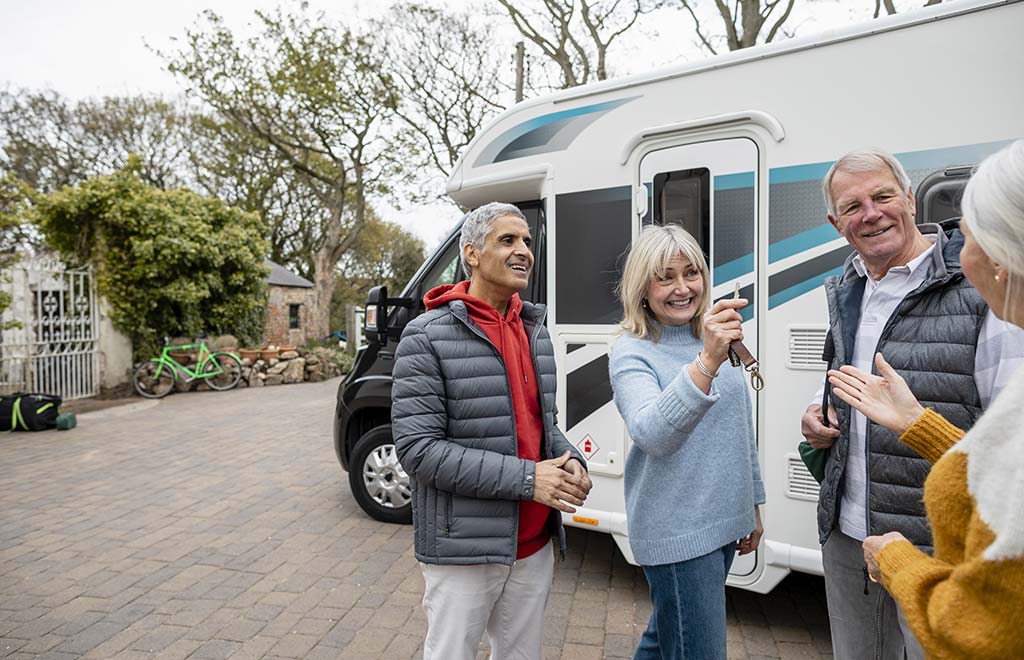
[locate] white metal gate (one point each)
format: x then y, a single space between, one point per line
52 346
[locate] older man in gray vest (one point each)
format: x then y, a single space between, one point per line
902 294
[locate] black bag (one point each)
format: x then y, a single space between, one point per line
24 411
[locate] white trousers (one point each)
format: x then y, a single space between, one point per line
508 601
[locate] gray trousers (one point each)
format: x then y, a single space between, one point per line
864 626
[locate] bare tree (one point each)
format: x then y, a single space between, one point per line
48 141
576 35
744 22
449 77
890 7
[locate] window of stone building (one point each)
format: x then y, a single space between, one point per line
293 316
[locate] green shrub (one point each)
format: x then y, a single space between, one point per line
170 262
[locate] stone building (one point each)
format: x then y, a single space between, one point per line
289 307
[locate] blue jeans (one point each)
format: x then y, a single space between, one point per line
689 608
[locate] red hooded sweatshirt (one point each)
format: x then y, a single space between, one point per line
509 336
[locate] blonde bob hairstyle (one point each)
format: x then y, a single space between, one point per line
648 259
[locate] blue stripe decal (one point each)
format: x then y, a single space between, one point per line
912 160
733 269
530 137
786 295
808 172
734 181
805 240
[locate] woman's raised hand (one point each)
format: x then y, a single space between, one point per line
884 399
722 326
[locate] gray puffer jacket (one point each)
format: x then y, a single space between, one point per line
455 432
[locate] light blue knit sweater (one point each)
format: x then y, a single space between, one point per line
692 477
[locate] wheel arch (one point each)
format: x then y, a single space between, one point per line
360 422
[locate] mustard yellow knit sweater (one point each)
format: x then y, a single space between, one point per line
968 600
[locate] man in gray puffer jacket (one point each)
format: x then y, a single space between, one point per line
473 416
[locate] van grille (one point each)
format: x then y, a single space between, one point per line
800 485
806 343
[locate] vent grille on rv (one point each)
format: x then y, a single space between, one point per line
806 342
800 485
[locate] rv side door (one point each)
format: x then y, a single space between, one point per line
710 189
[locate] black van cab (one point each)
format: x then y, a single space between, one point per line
362 419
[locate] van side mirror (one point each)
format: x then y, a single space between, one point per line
376 327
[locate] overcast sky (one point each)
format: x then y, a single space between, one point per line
99 48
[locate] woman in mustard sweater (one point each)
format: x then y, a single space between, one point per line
968 600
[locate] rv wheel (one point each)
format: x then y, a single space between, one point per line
378 482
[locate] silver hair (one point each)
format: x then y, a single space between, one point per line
863 160
993 208
478 224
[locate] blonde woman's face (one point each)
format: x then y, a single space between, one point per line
673 296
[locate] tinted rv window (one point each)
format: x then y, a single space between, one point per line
939 194
682 198
591 235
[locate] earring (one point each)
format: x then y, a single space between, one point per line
997 277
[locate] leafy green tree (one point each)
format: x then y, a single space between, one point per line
314 93
170 262
385 254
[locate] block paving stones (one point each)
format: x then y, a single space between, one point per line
220 525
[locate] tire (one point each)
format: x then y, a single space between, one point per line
231 368
148 385
378 482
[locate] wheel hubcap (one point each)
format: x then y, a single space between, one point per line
385 480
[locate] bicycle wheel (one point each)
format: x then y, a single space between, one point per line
230 371
154 379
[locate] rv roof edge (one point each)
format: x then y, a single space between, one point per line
522 184
757 117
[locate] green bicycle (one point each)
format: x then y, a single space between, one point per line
157 377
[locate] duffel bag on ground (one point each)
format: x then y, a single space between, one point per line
29 411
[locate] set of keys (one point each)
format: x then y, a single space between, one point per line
739 355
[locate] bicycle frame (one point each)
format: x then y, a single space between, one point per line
202 358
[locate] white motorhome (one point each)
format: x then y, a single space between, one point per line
733 148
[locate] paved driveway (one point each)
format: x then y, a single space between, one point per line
219 525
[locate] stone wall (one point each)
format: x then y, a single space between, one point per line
278 300
289 367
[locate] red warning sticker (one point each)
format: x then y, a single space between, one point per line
588 446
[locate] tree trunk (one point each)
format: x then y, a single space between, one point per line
323 281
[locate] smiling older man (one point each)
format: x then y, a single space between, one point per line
474 423
902 293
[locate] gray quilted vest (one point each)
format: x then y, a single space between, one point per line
930 340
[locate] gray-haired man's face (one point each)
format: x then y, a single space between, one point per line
506 258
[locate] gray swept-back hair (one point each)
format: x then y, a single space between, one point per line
478 224
993 208
863 160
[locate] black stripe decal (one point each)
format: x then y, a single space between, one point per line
569 348
587 389
808 269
